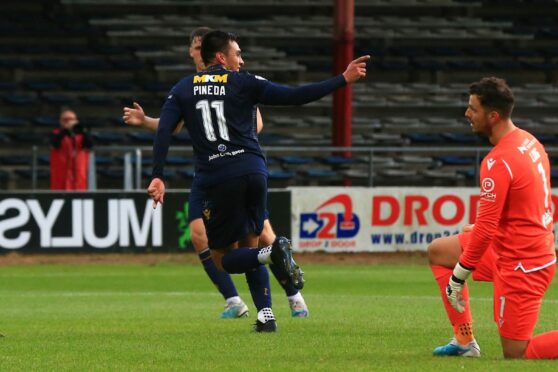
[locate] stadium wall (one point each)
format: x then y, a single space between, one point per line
382 219
329 219
105 221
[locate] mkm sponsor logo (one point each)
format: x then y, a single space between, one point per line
200 79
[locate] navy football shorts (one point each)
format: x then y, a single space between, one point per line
235 209
195 202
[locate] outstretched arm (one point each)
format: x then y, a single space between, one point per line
275 94
136 117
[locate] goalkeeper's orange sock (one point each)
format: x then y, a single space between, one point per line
544 346
462 322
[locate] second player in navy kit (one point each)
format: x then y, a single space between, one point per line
218 107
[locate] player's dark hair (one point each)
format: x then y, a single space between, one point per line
494 94
199 32
215 42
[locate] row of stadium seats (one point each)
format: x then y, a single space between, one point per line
101 55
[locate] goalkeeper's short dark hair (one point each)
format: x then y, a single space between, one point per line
494 94
214 42
199 32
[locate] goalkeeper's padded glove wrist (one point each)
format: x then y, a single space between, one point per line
460 273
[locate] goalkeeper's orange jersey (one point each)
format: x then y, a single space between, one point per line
515 212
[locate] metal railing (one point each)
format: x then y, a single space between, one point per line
133 155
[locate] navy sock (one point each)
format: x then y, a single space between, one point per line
241 260
258 282
221 279
283 279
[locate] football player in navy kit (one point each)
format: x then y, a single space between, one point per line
218 106
234 305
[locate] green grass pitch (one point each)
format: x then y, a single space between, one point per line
132 317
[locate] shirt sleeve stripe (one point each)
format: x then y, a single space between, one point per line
509 169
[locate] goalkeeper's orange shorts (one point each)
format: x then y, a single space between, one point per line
484 272
518 296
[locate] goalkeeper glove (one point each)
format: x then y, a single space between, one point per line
455 287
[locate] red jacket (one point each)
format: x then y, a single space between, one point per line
69 159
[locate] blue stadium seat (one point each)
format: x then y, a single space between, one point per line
15 63
320 173
15 160
20 99
546 139
142 137
278 174
12 121
103 160
92 122
46 121
429 64
41 85
109 137
44 159
92 63
424 138
295 160
468 173
465 65
455 160
27 173
158 86
53 64
127 63
503 65
461 137
112 173
540 66
81 86
274 138
30 138
8 86
334 160
60 99
127 86
100 100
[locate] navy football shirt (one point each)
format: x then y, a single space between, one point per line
218 107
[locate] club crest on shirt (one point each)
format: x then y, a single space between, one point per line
207 214
487 186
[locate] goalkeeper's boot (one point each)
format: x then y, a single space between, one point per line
282 257
233 310
453 348
298 309
266 321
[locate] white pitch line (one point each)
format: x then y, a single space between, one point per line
214 294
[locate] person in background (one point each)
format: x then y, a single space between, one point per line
69 154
